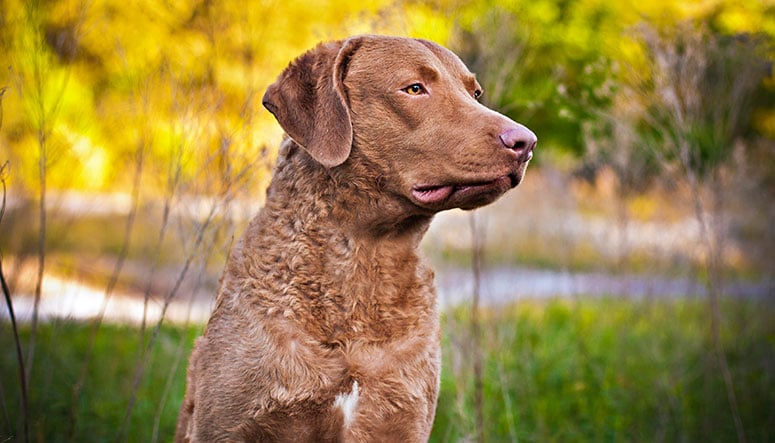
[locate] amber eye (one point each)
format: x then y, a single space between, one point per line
415 89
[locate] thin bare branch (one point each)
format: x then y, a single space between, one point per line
477 246
9 304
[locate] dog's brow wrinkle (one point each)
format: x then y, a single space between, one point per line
428 73
469 81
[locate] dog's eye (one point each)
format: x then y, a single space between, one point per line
415 89
477 94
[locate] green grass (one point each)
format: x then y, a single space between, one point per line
610 370
593 370
98 413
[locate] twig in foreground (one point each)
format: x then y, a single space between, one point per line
9 303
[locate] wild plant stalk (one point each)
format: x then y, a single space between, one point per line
459 356
9 304
227 188
498 58
44 112
701 83
97 322
170 296
180 353
41 120
181 348
118 267
179 356
142 348
504 384
42 159
222 200
713 242
611 141
477 247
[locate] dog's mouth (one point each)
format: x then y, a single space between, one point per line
473 194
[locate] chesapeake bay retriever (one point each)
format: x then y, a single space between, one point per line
326 325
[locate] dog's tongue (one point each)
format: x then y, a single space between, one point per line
431 195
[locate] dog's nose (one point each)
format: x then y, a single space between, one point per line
519 139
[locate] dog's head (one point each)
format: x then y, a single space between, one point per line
410 107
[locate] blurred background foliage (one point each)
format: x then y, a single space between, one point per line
103 82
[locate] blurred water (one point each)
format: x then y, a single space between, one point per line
505 284
78 301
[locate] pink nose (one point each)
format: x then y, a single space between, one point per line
519 139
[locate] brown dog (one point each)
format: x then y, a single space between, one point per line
325 327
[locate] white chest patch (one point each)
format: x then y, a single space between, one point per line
347 403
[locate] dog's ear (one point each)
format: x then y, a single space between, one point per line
310 103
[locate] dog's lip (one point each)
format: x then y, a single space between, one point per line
430 194
436 194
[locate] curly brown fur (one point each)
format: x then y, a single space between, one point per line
326 327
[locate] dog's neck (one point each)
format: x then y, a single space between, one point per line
339 254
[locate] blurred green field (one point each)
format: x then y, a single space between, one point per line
562 370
